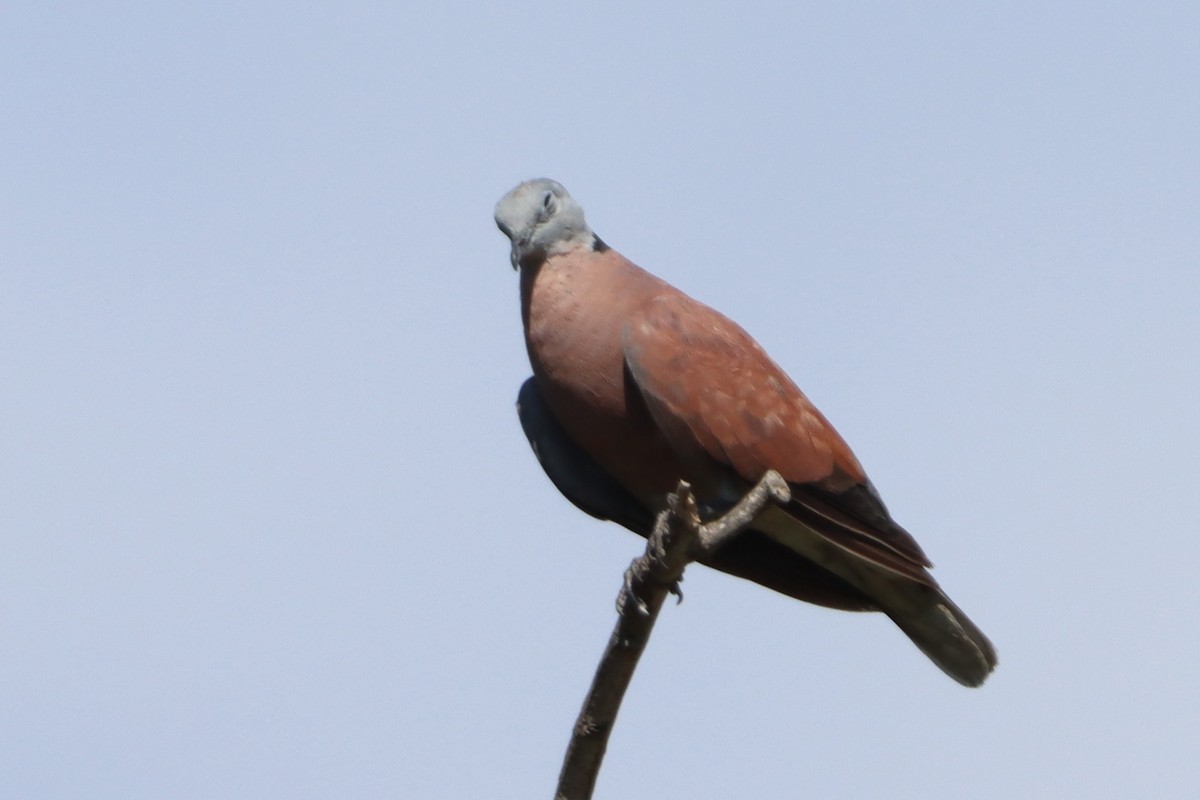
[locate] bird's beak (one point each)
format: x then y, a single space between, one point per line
520 249
515 255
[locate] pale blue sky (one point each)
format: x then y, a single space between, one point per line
269 525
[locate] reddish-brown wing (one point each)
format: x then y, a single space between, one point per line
715 393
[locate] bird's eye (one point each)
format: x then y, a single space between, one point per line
548 203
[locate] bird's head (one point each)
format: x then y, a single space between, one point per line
541 219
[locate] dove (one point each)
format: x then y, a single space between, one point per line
637 386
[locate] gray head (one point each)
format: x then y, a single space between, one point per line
541 219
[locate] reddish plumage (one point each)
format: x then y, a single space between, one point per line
654 387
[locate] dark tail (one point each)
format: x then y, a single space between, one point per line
941 630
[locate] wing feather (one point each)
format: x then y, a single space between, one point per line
715 393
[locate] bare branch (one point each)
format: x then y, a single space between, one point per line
677 539
772 488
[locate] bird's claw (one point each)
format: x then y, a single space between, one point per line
630 592
675 589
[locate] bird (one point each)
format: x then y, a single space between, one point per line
637 386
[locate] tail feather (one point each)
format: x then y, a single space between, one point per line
941 630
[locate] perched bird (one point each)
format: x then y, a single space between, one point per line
636 386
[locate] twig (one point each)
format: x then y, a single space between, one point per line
677 538
713 535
